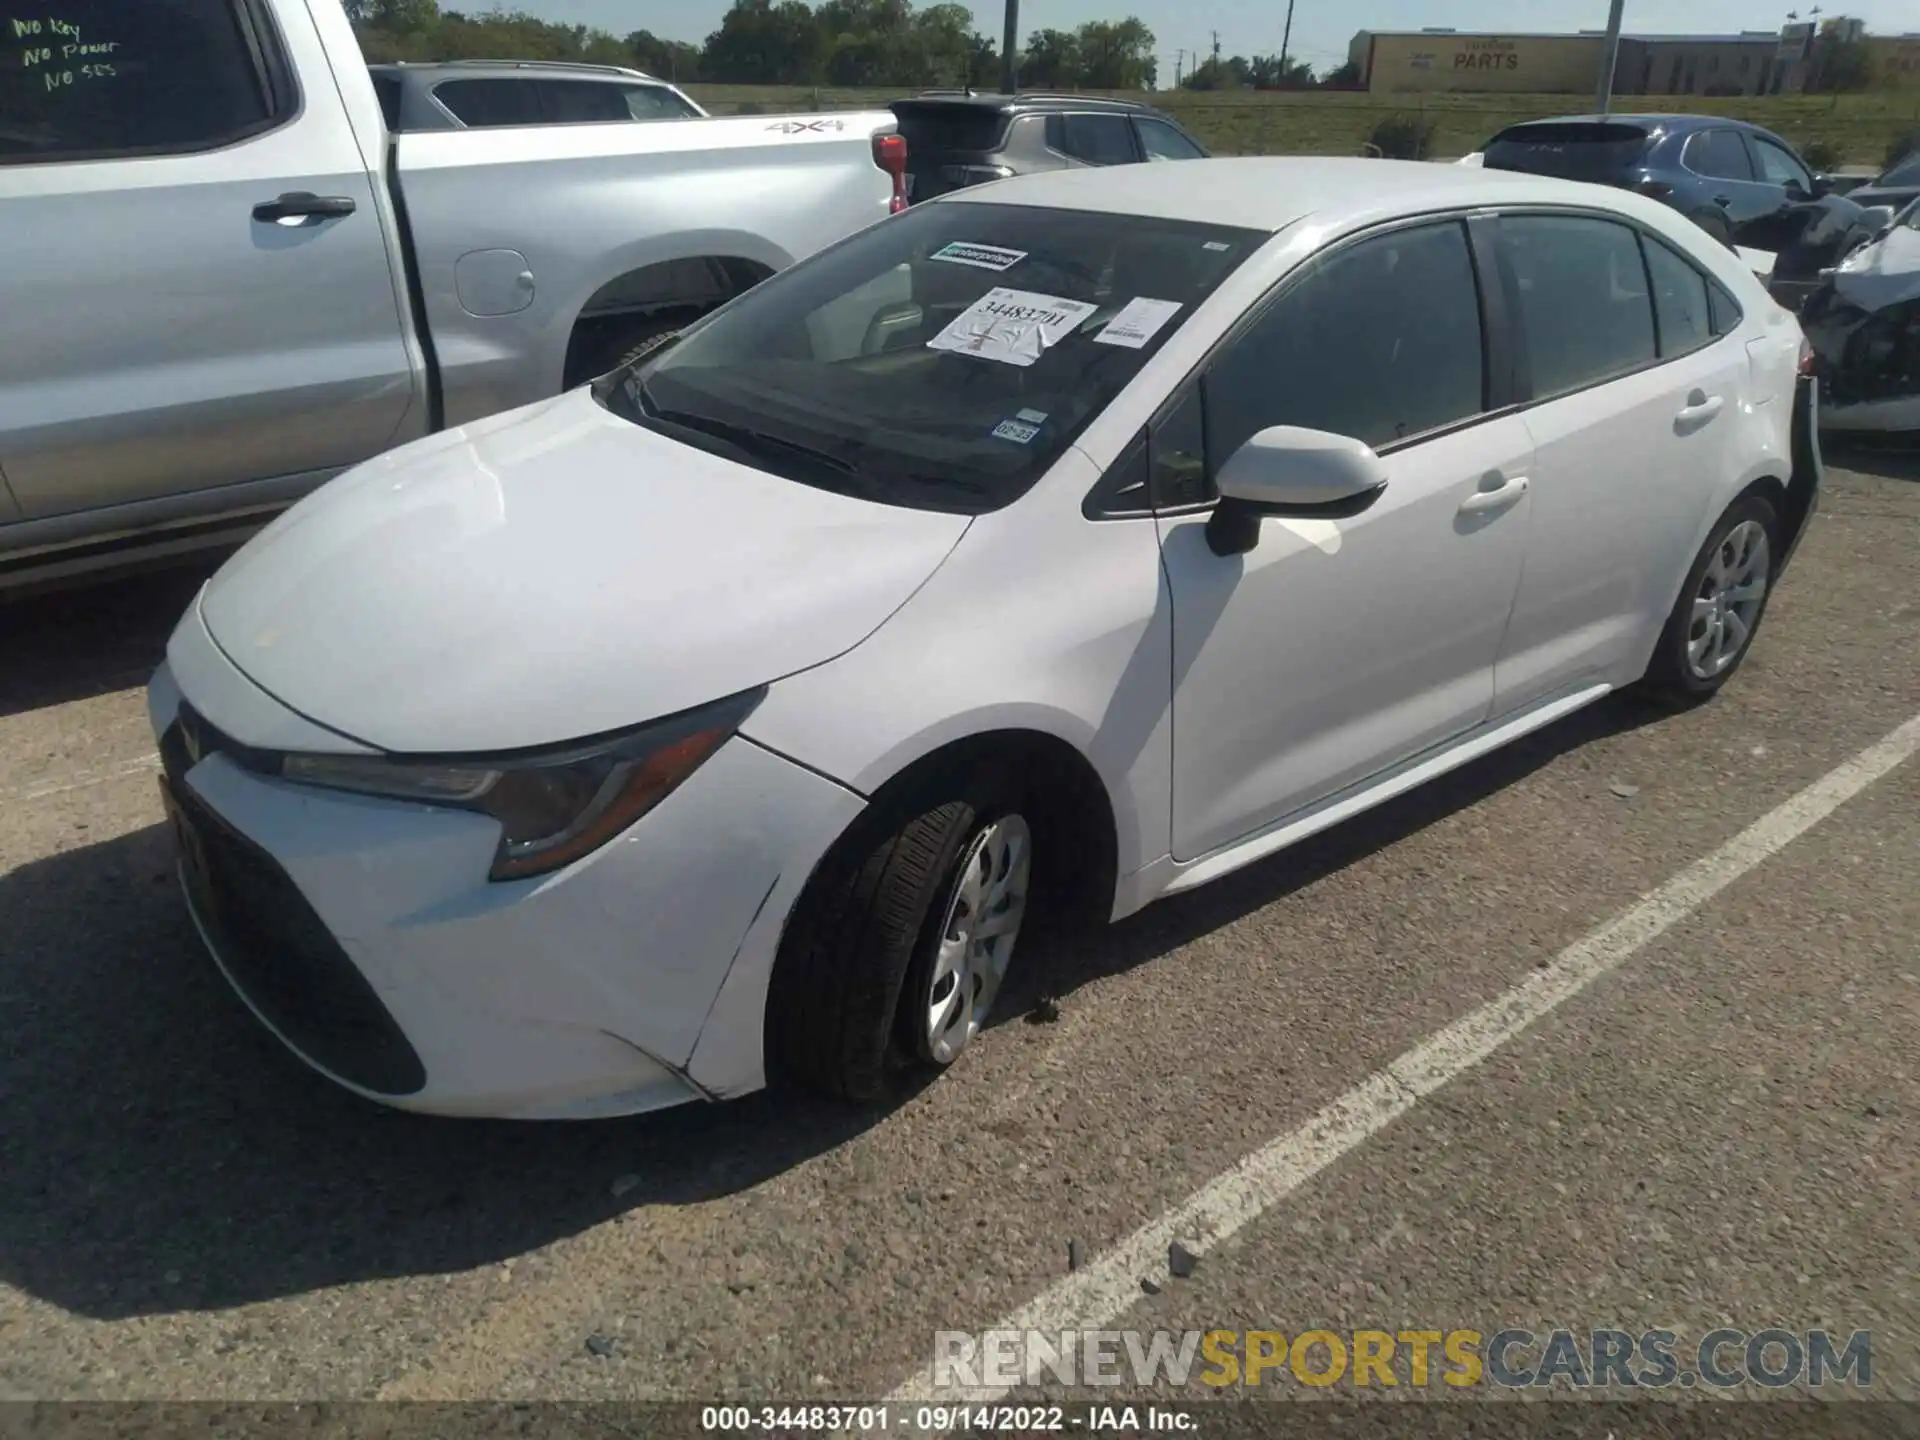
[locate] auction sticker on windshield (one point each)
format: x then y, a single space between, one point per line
1014 327
1137 323
984 257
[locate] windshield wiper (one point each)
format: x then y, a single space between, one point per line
755 442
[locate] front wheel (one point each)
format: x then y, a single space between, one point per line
903 939
1720 607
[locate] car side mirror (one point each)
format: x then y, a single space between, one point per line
1822 186
1287 470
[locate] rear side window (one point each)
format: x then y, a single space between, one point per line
1680 303
1581 150
1380 340
97 78
485 103
1581 296
1096 139
581 102
1718 155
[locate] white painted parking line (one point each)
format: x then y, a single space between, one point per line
1099 1293
86 779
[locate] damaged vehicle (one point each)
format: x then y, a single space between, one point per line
1864 325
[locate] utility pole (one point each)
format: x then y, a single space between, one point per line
1179 67
1216 49
1286 35
1009 49
1609 57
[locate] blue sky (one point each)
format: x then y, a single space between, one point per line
1321 28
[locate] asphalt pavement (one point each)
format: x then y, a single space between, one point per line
1719 1126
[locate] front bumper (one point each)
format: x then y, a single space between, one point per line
364 933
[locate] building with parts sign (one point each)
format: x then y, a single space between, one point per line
1753 62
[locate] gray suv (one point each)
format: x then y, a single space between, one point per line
957 138
478 94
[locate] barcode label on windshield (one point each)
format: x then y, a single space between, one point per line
1137 323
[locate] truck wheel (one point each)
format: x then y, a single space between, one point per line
608 345
898 948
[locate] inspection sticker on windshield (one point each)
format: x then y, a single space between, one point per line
1022 428
983 257
1014 327
1137 323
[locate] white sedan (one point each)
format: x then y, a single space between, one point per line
1074 540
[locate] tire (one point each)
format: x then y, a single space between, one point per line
613 345
1677 675
848 1009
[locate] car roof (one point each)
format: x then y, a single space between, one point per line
1026 100
1651 118
1271 192
432 70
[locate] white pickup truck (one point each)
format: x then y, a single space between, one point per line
223 280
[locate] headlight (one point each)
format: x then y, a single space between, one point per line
553 806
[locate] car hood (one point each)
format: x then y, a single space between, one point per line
1887 272
551 574
1894 197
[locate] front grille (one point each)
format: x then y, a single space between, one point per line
276 950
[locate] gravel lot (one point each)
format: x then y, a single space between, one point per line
1726 1129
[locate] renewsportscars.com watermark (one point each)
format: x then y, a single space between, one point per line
1514 1359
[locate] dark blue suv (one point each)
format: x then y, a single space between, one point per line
1743 185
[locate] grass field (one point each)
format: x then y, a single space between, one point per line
1858 127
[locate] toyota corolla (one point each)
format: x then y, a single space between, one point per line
1067 542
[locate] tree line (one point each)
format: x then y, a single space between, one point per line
883 43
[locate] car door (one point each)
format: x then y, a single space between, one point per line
1160 140
1093 139
1635 397
1341 645
1728 185
1788 187
174 316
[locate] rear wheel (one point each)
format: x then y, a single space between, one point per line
903 939
1720 607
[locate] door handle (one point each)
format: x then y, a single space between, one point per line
1723 201
1497 498
1699 409
301 205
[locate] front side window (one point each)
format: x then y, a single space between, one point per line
1777 167
1582 301
1680 304
1096 139
1380 340
483 104
1718 155
100 77
1161 141
943 359
656 102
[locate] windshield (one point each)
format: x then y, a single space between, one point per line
1907 172
942 359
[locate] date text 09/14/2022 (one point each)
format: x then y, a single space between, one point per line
942 1419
